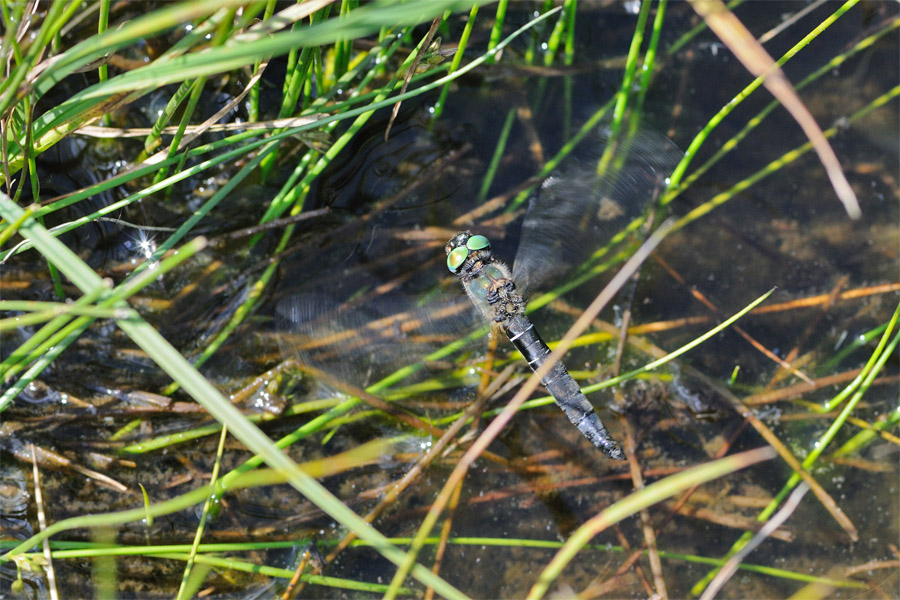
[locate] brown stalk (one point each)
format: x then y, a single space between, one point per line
756 60
784 452
646 524
412 71
700 297
42 524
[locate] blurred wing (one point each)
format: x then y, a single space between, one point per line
359 319
360 345
576 211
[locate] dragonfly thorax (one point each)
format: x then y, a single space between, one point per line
486 280
505 300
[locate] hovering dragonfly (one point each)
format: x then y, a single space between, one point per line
490 286
574 213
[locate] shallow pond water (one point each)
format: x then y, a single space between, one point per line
379 250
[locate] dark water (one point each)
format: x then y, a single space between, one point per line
788 231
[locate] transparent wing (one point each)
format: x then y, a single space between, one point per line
360 313
576 211
363 344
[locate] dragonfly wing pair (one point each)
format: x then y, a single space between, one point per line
352 310
576 211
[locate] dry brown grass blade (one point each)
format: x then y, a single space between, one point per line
796 391
784 452
412 71
42 523
49 459
785 365
637 479
134 132
755 59
800 303
189 137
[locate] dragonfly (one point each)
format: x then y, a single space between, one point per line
338 326
489 284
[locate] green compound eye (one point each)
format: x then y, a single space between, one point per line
456 258
478 242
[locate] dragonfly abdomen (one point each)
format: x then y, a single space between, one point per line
562 386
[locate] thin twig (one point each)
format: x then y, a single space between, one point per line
756 60
42 524
771 525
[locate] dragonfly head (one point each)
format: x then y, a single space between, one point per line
464 246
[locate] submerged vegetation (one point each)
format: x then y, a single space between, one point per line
233 359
